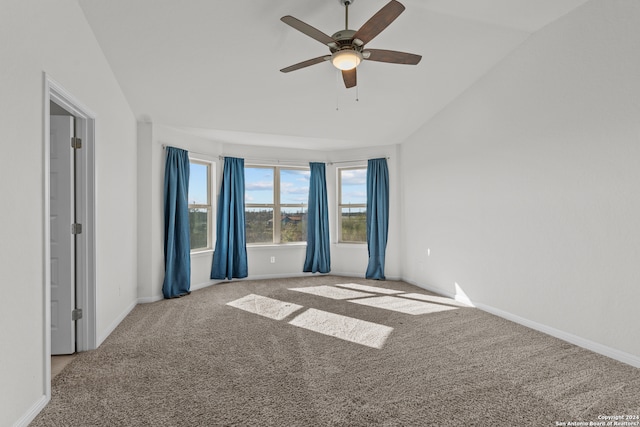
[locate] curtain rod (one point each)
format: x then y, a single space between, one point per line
221 157
355 160
276 161
298 162
164 146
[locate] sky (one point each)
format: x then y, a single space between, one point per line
258 185
354 186
294 185
198 184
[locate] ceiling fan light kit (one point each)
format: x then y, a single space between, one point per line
346 59
347 46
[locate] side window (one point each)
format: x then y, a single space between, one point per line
352 205
276 204
200 207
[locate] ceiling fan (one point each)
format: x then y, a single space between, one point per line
348 46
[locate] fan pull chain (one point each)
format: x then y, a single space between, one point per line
357 94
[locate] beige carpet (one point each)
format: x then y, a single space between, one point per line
305 352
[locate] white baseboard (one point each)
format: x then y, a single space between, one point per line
355 275
360 275
205 284
280 276
618 355
286 276
155 298
437 291
613 353
32 413
115 324
147 300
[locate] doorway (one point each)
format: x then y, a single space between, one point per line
70 285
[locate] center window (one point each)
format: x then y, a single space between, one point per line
276 204
352 205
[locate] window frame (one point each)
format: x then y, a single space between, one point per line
277 206
340 205
209 206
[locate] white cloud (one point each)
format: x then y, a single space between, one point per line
354 177
259 186
290 188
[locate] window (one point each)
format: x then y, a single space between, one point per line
276 204
200 208
352 205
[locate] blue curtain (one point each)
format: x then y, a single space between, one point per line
230 256
177 245
318 259
377 216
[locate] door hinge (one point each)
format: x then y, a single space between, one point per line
76 314
76 228
76 143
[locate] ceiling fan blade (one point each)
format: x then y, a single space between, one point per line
379 21
307 29
349 77
392 56
304 64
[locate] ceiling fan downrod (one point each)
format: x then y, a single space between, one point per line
346 4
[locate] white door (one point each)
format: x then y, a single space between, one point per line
62 199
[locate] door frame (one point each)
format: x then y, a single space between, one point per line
86 214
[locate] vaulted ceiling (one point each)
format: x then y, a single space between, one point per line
211 68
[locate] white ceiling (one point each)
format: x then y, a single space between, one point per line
212 67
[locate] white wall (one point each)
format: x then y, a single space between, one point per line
53 37
525 190
149 209
350 260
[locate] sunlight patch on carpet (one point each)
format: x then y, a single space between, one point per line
264 306
402 305
346 328
332 292
367 288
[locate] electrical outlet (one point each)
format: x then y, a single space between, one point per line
273 260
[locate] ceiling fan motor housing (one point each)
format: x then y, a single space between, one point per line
343 40
343 35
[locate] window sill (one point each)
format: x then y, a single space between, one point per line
201 252
276 245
